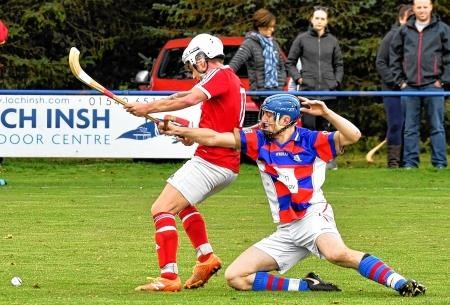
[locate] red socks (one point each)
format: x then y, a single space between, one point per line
195 228
166 239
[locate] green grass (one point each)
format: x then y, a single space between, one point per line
78 232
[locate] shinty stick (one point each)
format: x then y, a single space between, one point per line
371 153
75 67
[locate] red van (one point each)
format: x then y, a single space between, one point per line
168 72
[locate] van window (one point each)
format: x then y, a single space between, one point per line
172 67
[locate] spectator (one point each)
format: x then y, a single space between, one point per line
262 55
392 104
420 62
322 66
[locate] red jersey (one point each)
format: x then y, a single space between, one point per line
223 111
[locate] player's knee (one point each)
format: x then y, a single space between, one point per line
160 207
231 277
339 256
235 280
155 210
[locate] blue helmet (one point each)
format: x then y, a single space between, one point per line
280 105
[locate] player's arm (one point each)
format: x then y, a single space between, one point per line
347 133
174 102
177 95
204 136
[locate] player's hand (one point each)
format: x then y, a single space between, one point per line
167 128
186 141
137 109
313 107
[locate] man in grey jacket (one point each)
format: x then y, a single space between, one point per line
420 62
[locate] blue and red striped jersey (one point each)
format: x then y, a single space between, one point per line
293 172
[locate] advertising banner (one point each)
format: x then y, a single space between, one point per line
85 126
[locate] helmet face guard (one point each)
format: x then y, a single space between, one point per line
192 61
280 105
189 55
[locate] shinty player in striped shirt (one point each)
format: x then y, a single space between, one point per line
292 163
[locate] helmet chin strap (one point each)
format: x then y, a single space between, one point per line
271 134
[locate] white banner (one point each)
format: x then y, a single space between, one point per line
85 126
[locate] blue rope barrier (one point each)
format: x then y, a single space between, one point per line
250 93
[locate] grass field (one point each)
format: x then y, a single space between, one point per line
78 232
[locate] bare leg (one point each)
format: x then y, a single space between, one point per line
336 252
369 266
169 201
241 273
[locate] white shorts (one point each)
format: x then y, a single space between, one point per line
294 241
198 179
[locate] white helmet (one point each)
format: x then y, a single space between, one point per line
210 45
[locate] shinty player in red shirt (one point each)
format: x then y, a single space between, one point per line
209 171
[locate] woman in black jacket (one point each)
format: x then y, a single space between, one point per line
322 67
320 56
262 56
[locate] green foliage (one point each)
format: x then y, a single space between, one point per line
109 34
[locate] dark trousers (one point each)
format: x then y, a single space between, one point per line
395 119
